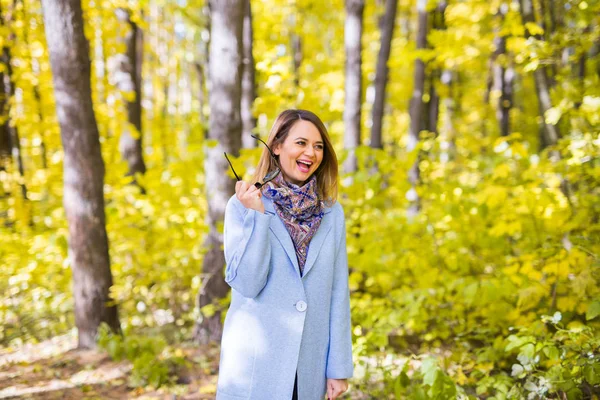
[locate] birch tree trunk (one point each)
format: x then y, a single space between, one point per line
381 72
248 81
416 103
83 169
353 101
225 70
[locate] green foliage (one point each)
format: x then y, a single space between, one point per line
498 243
153 364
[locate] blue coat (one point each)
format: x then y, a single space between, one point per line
279 322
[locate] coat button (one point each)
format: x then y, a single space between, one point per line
301 306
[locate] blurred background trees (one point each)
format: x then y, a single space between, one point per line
469 135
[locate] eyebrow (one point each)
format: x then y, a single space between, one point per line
305 139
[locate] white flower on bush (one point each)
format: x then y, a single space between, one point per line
163 317
555 319
528 362
537 390
518 371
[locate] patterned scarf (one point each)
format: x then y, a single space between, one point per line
300 210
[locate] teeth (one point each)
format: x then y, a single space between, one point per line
305 163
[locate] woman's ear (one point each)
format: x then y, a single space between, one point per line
277 149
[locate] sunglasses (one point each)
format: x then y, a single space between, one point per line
269 177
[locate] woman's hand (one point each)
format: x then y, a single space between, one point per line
336 387
249 196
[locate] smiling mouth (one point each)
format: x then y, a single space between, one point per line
303 167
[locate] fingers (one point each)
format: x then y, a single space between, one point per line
238 185
242 188
335 389
249 195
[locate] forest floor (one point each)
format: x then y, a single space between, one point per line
54 369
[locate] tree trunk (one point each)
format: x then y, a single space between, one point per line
202 71
248 81
130 81
502 76
200 68
353 101
596 52
5 90
579 71
297 57
416 103
550 133
448 142
83 169
36 89
5 142
9 134
433 105
432 115
225 69
381 72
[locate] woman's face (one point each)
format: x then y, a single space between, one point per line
301 152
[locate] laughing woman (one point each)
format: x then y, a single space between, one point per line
287 332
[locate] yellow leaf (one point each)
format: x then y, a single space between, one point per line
534 28
502 171
552 116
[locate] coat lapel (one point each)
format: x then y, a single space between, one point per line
279 230
317 241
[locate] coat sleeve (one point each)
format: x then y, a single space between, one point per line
339 357
247 248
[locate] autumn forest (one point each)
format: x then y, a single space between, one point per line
468 139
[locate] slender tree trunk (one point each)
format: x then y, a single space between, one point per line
225 70
297 57
202 71
83 169
502 75
432 110
596 53
34 63
5 142
416 103
200 68
130 73
433 105
381 72
448 146
248 81
9 133
550 133
353 101
579 71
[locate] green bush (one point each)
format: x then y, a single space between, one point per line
152 364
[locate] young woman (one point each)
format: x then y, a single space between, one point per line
287 332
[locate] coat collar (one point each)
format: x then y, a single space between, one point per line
278 228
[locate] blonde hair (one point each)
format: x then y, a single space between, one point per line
327 173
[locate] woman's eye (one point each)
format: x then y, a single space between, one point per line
301 143
319 147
